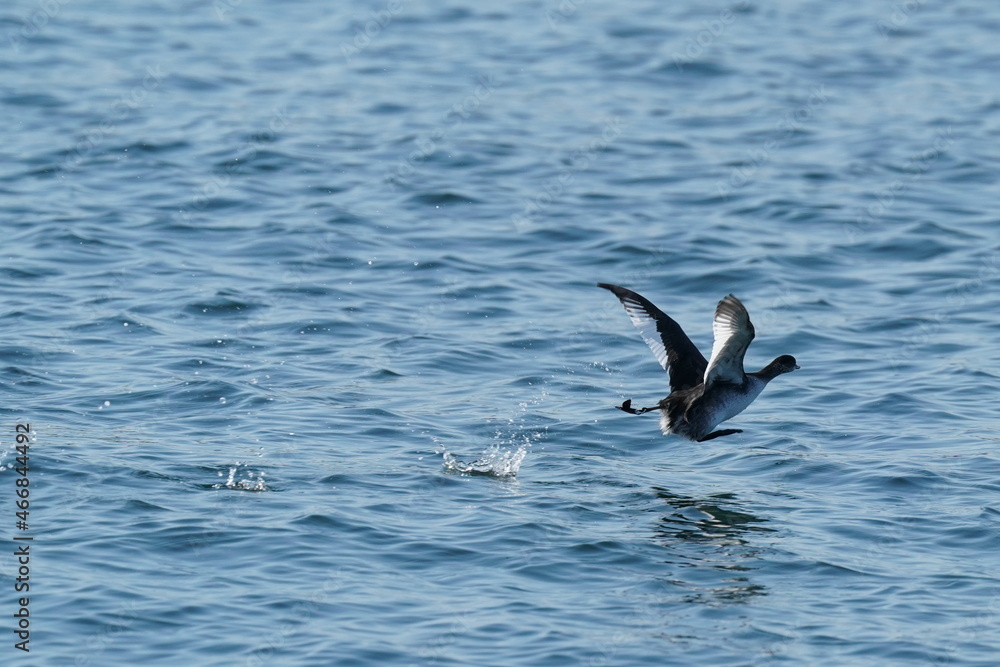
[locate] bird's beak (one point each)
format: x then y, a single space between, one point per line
797 367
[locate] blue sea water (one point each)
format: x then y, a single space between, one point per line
299 301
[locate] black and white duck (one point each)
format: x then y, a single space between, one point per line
703 393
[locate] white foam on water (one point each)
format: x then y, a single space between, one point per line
508 450
254 481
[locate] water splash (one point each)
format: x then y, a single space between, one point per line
254 481
496 461
510 446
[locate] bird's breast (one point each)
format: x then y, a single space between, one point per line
724 401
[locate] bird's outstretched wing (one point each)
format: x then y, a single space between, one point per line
733 332
673 349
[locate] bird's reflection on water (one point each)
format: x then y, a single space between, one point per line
713 535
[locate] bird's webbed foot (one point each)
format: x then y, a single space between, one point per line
627 407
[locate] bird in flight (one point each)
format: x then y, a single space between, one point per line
703 394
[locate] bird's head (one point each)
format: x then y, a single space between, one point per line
784 364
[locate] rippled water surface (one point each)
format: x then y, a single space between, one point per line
300 304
